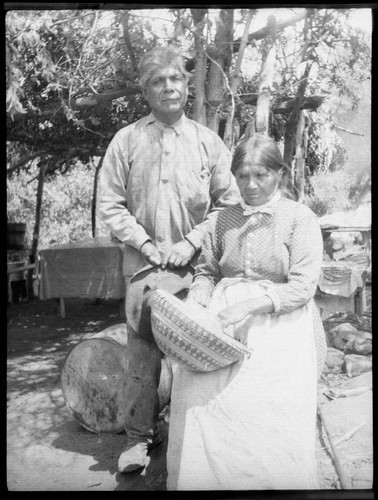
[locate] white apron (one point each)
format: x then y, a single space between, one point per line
251 425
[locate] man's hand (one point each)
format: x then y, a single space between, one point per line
151 253
179 255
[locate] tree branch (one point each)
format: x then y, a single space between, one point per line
25 159
337 127
263 32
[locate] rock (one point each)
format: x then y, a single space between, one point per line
362 344
337 318
340 335
347 338
352 387
354 364
334 359
363 380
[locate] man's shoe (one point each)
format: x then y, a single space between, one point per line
135 456
156 440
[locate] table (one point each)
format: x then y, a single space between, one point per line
341 287
86 269
365 232
344 293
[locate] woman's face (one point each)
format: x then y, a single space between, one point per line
257 184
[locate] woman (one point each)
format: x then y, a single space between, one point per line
252 425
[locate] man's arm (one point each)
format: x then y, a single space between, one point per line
112 194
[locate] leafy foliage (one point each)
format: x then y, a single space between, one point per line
325 149
66 209
55 58
330 192
58 59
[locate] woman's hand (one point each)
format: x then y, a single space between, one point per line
235 313
238 312
179 255
199 294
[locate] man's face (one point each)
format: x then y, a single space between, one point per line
166 92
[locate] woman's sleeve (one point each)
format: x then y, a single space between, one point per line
306 253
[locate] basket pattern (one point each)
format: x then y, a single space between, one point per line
182 336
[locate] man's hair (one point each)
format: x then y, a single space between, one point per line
161 57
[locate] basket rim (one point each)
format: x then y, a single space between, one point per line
220 335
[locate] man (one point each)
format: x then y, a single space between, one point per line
161 178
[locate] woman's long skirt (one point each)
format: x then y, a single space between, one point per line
251 425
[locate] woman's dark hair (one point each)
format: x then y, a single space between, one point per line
263 150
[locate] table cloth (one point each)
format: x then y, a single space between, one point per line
86 269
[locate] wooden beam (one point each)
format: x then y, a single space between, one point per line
21 268
94 100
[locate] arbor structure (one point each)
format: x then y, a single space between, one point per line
72 76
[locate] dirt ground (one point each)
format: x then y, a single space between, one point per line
48 450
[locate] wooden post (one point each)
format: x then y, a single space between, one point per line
94 197
62 307
300 157
38 212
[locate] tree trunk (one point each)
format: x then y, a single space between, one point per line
266 80
220 61
94 197
293 119
199 107
230 135
125 27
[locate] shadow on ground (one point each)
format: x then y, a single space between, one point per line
42 434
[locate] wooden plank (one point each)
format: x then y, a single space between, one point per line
62 307
19 269
344 229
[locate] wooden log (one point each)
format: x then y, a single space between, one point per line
93 376
345 480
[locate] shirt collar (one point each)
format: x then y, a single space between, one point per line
266 208
177 126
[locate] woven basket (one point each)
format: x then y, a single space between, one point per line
190 335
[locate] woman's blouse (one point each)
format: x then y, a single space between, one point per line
281 243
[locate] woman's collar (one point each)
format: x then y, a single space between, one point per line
264 208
